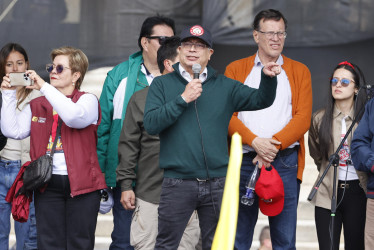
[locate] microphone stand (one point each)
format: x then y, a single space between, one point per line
334 161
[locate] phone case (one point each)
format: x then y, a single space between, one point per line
20 79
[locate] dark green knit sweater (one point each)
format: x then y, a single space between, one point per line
183 138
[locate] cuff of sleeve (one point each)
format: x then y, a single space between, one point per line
279 147
266 76
183 99
9 92
180 101
250 140
44 88
126 185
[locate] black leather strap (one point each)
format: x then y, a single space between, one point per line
56 137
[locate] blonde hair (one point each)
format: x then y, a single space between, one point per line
78 61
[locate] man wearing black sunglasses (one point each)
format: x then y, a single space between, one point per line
121 82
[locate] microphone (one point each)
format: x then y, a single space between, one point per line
368 86
196 68
369 90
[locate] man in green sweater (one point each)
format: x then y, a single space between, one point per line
138 161
191 117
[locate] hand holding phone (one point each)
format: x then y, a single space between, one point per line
20 79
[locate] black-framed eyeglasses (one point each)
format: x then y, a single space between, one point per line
198 46
59 68
271 34
161 39
344 81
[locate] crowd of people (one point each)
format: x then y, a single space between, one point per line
156 141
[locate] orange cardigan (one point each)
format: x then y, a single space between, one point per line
301 88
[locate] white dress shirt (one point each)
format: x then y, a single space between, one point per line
269 121
188 77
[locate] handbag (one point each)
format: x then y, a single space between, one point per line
39 172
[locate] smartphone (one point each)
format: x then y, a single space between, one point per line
20 79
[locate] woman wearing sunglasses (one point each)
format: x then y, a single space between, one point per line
14 59
66 211
327 129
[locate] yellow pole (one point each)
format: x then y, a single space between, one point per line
224 237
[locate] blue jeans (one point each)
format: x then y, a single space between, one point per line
282 226
25 232
122 222
179 198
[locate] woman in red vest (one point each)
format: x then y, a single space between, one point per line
66 212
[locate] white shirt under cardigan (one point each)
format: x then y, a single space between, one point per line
266 122
75 115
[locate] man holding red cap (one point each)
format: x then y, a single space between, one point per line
191 111
274 135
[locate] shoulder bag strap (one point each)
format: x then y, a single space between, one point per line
56 137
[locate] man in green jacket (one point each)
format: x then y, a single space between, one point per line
191 117
121 82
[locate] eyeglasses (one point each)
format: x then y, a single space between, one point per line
270 34
161 39
59 68
344 81
198 46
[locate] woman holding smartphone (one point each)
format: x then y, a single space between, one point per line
14 59
66 211
327 130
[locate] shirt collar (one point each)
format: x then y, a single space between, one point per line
145 70
337 112
148 75
187 75
259 63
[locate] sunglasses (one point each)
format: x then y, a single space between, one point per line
59 68
344 81
161 39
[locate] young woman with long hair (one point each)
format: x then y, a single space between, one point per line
14 59
329 126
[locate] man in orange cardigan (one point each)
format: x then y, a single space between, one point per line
275 135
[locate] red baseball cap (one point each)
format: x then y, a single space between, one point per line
270 191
